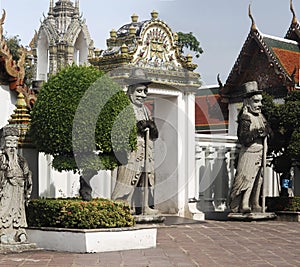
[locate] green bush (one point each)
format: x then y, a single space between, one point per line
283 204
79 214
81 111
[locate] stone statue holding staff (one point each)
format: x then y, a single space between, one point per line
136 177
252 131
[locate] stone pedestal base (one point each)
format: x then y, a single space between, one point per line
9 248
253 216
149 218
93 240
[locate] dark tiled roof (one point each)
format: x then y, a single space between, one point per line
124 30
286 52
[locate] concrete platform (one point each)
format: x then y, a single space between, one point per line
95 240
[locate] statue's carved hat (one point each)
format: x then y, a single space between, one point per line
137 76
9 130
249 89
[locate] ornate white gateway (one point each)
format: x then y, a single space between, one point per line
152 46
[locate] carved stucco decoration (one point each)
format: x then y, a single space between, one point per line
68 33
15 70
157 48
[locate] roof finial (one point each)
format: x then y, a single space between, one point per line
294 21
51 7
253 26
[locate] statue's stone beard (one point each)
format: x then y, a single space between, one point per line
12 156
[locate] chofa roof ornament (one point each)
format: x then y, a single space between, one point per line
253 25
294 20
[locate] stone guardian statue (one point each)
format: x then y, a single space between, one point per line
139 167
252 130
15 189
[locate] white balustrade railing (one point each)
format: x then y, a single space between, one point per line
215 169
215 155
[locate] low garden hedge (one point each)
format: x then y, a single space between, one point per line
79 214
283 204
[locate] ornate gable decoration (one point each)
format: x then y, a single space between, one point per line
150 45
157 47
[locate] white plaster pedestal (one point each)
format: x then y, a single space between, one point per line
93 240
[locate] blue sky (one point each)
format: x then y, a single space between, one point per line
221 26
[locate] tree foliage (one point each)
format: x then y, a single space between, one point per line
189 41
79 119
14 46
284 120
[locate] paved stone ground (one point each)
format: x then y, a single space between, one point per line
211 243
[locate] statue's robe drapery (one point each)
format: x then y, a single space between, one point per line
249 165
15 189
130 175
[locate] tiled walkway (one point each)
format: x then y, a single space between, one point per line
212 243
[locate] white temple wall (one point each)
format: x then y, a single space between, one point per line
8 100
53 183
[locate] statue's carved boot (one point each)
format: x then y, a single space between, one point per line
22 238
149 211
245 202
256 208
245 210
4 239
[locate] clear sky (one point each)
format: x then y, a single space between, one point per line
221 26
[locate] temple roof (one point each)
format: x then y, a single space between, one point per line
272 61
287 54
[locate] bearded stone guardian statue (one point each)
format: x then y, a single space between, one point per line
252 130
131 175
15 189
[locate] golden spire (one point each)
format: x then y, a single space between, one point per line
294 20
21 118
253 26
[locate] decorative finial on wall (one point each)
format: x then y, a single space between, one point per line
134 18
154 14
294 21
253 26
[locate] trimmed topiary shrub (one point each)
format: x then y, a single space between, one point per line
79 214
84 120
